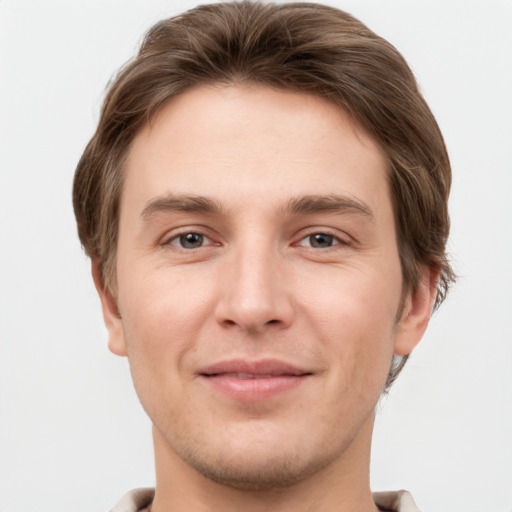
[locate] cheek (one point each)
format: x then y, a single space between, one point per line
161 322
163 300
163 314
354 318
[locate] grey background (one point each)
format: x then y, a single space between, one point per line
72 434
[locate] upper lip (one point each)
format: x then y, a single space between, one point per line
262 367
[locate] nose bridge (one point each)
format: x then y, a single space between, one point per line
254 291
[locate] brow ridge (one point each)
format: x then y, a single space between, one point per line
179 203
302 205
328 203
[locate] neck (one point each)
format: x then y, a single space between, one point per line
342 486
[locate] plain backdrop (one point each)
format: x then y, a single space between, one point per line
73 436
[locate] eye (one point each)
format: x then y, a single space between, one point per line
189 240
320 241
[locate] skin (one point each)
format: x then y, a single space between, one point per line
259 285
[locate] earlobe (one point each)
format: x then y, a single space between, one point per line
111 316
416 313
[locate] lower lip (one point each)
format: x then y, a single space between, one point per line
254 389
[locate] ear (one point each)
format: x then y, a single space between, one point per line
111 316
416 313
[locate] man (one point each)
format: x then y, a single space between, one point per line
265 206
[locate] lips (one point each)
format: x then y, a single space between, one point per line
253 380
245 376
256 369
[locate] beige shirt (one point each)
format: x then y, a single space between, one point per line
139 500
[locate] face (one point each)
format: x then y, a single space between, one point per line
258 283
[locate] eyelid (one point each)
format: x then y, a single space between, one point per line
338 237
176 233
342 239
205 240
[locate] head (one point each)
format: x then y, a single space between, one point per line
308 51
295 47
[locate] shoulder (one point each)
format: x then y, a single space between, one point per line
395 501
135 501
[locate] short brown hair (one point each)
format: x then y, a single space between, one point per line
302 47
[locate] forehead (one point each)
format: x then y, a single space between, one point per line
252 144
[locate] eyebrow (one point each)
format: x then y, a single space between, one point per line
177 203
324 204
302 205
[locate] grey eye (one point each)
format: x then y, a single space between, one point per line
189 240
321 240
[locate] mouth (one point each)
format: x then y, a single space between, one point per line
253 380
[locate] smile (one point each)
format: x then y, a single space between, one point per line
245 376
253 380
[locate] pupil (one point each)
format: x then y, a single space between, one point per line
321 240
191 240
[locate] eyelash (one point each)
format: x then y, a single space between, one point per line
335 240
180 236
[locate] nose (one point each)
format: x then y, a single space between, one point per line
254 292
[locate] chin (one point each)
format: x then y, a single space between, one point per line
256 473
259 462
